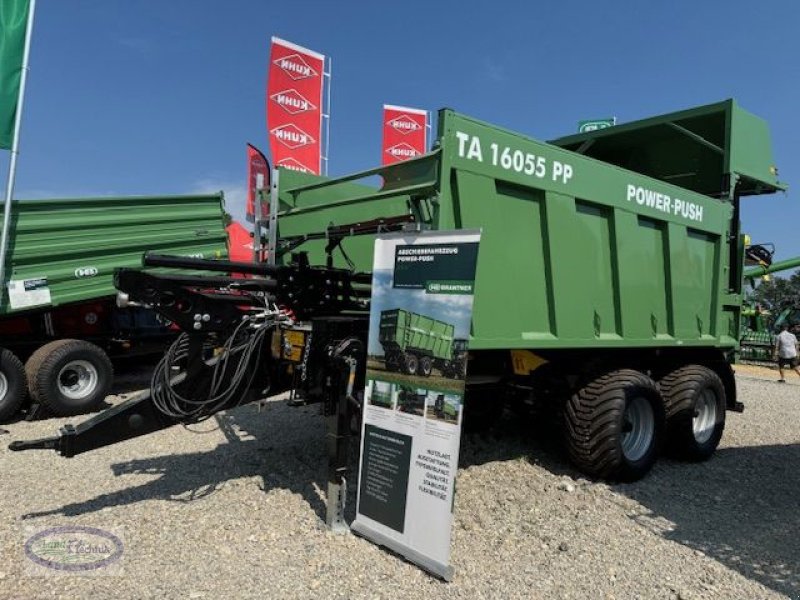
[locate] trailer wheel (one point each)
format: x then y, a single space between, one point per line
694 399
425 367
614 425
12 385
70 377
410 363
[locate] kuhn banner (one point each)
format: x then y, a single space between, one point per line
405 133
294 106
257 179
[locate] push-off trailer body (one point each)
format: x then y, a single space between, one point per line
607 296
417 343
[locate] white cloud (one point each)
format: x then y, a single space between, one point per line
235 195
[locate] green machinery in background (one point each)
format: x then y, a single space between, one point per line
415 343
73 245
758 330
58 310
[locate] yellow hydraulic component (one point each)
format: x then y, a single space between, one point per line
525 361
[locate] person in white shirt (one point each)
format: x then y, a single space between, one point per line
786 350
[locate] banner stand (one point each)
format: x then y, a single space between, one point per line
442 570
419 328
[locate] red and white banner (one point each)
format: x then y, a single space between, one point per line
405 133
257 179
294 106
240 243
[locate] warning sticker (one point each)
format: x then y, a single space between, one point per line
24 293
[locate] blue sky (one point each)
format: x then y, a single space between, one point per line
157 97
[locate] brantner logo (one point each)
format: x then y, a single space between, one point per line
295 66
404 124
292 102
291 136
293 165
402 150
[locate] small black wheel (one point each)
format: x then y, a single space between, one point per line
392 362
694 400
410 364
425 367
70 377
12 385
613 425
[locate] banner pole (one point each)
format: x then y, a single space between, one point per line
12 169
328 107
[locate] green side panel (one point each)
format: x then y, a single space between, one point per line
698 149
646 299
481 202
430 335
310 204
627 248
695 271
76 244
751 152
579 253
413 331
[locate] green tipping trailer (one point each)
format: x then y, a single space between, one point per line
57 307
608 291
64 251
609 281
416 343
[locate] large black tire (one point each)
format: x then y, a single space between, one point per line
410 364
694 400
613 425
12 385
425 367
70 377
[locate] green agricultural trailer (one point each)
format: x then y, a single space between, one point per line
415 343
57 308
608 290
411 400
444 410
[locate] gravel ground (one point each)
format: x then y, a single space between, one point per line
237 510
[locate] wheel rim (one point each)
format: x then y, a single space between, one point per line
78 379
3 385
705 416
638 428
